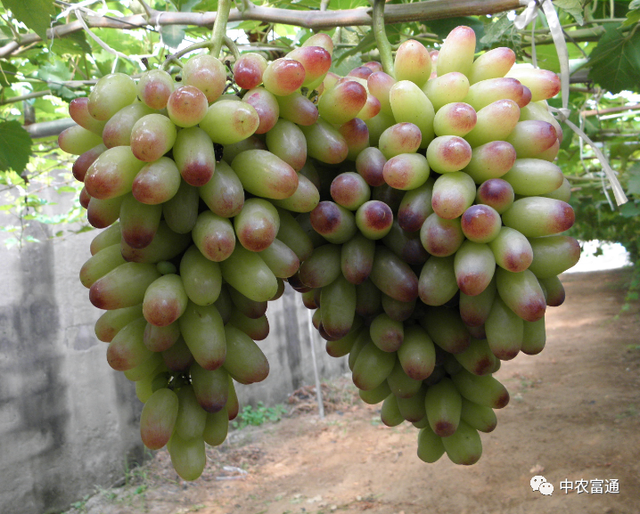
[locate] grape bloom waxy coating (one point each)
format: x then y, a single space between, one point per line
416 210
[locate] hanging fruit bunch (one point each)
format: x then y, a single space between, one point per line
416 209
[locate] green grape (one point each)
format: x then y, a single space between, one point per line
448 154
158 418
393 276
178 358
478 358
245 361
333 222
494 122
154 88
112 321
390 412
191 416
481 223
537 216
211 388
316 61
203 332
356 258
496 193
532 137
152 136
350 190
247 272
248 70
77 140
157 182
281 260
483 390
446 88
251 308
214 236
188 456
446 329
441 237
453 193
374 219
443 405
412 62
194 155
305 198
490 161
127 350
543 84
437 282
553 255
454 119
166 245
159 339
406 245
230 121
103 213
512 250
406 171
117 131
488 91
504 331
492 64
386 333
99 264
377 125
186 106
479 417
457 51
112 174
372 367
474 266
534 337
553 290
375 396
139 222
257 224
413 409
475 309
266 105
341 347
83 162
79 112
291 234
430 447
206 73
257 329
201 277
359 343
111 93
401 384
410 104
464 446
338 304
264 174
233 406
283 76
379 84
165 300
522 293
368 299
417 354
297 109
342 102
397 309
123 286
325 143
216 427
286 140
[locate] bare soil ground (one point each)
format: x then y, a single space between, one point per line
574 416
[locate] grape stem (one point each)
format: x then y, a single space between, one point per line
380 35
231 45
220 27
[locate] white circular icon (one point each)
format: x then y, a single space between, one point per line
546 488
536 481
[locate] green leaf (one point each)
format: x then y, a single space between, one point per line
495 31
633 17
633 184
7 74
444 26
635 4
573 7
15 146
72 44
172 35
629 210
35 14
615 62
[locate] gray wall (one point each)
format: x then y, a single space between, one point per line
68 422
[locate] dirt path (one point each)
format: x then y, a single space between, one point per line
574 416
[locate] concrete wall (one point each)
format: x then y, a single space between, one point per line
68 422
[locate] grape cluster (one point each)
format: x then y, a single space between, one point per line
419 216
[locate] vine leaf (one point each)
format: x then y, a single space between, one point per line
35 14
572 7
15 146
615 62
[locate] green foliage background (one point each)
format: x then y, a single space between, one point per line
39 78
